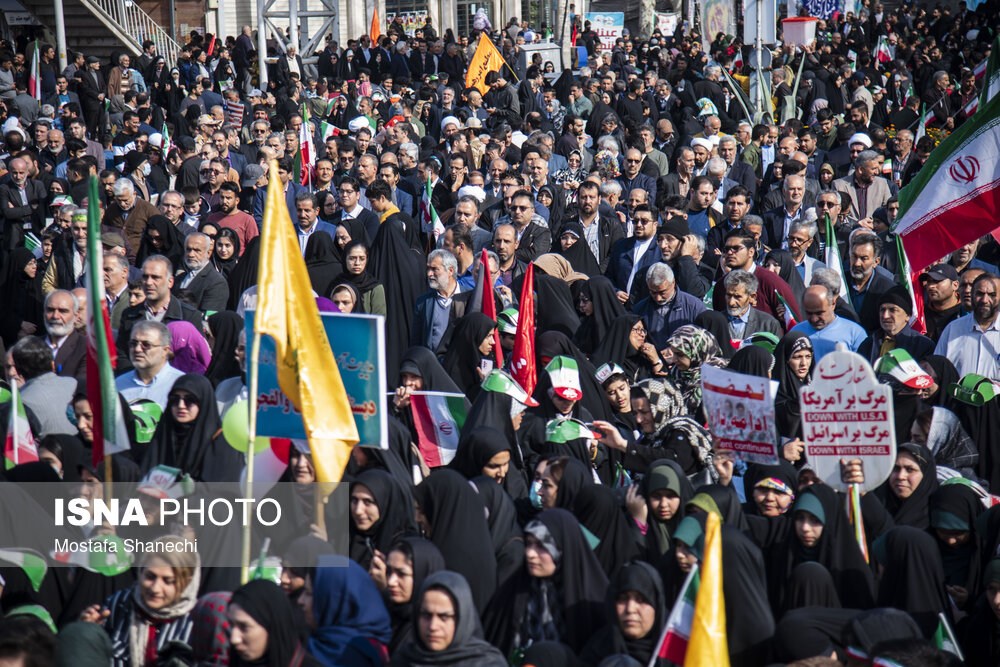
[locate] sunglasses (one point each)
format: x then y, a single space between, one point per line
177 399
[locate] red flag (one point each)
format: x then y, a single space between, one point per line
211 47
490 306
522 364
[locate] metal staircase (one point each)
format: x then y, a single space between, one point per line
132 26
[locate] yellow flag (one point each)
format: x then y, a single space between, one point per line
376 29
486 59
707 646
286 311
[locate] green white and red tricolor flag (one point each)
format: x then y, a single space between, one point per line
31 562
944 638
991 75
438 417
304 160
789 315
906 279
674 639
955 198
428 216
110 433
328 130
34 79
832 253
165 143
883 51
20 446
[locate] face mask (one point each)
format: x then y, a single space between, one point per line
146 169
533 495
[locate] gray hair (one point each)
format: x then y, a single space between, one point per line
751 219
159 327
123 186
740 277
76 302
411 150
727 139
716 165
120 260
611 188
448 260
199 235
809 225
712 70
608 142
69 210
940 74
172 193
829 279
468 198
260 121
864 157
659 274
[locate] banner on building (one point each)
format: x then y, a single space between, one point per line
666 23
716 16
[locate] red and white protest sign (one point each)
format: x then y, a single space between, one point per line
740 410
847 414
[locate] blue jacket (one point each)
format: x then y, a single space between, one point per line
682 311
641 180
620 261
258 201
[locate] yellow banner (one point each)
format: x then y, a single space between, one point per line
486 59
286 311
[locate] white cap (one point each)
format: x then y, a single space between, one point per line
450 120
358 123
473 191
860 138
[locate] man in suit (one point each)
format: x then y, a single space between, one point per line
91 87
356 217
436 310
441 197
157 281
422 62
601 231
678 182
24 106
68 346
286 166
894 332
631 255
737 170
868 191
129 213
778 220
44 393
535 239
866 281
288 64
208 290
744 319
403 200
23 204
234 159
63 95
307 222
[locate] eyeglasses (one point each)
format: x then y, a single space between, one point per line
520 209
178 399
639 329
144 344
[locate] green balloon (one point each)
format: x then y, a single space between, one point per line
236 426
236 429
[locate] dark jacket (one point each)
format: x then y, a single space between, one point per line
176 310
209 290
621 259
918 345
536 240
71 359
868 313
609 233
16 214
423 316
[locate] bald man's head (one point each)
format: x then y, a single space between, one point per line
18 171
818 302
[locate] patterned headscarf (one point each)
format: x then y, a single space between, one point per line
700 347
670 413
607 163
210 630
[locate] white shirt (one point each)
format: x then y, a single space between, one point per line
638 250
970 348
133 389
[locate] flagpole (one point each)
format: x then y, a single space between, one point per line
252 437
107 478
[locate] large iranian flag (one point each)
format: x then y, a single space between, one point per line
955 199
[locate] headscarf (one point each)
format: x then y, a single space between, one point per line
244 276
616 347
395 516
467 647
193 447
501 517
955 506
555 343
363 282
402 273
557 208
786 403
191 352
717 324
914 510
664 474
418 360
945 374
788 272
594 329
558 266
462 359
579 255
225 326
82 644
491 414
302 555
597 509
675 428
781 477
643 579
226 266
210 629
268 605
554 306
752 360
478 445
425 560
171 238
700 347
348 610
459 529
145 623
749 620
913 576
723 501
322 263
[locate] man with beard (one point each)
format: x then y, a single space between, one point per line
965 281
68 347
601 232
867 190
744 319
941 301
971 341
128 213
866 283
65 269
208 290
739 251
666 308
230 216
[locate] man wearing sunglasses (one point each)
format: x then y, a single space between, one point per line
152 376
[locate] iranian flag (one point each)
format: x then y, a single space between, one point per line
674 639
270 460
34 78
328 130
832 253
165 143
429 217
906 278
31 562
304 160
971 106
991 75
110 559
884 52
439 417
955 198
944 638
926 118
20 446
110 433
789 314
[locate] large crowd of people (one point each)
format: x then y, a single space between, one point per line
668 229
